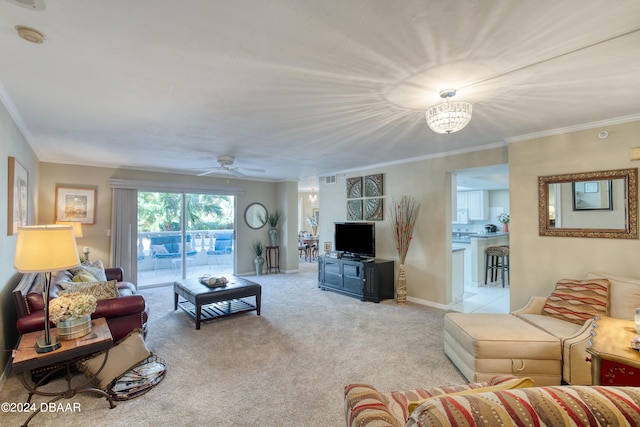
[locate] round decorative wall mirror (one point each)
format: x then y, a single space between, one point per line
255 215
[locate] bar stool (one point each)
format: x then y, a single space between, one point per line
496 258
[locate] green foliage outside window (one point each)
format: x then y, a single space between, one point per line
161 212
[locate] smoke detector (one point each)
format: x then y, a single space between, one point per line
29 4
30 34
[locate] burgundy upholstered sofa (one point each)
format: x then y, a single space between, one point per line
123 314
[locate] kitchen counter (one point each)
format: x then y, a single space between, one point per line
476 243
466 237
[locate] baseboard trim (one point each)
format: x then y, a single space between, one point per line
429 303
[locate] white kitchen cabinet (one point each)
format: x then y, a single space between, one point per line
462 199
478 205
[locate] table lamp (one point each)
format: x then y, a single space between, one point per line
43 249
77 231
77 227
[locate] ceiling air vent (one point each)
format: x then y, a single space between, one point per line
330 180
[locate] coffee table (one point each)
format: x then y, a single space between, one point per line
205 303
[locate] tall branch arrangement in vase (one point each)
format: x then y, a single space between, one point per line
403 216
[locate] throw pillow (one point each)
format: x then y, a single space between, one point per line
60 276
84 276
507 385
123 356
576 301
95 268
100 290
159 249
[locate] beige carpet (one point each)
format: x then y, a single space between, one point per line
286 367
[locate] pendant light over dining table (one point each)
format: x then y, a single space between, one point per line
449 116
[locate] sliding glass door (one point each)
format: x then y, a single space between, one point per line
184 235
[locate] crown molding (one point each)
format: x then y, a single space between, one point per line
15 115
576 128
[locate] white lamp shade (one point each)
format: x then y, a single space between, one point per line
45 248
77 227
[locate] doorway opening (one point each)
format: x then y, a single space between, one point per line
184 235
480 196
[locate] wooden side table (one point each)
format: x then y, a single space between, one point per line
613 361
25 358
273 258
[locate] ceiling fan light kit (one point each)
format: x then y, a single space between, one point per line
449 116
226 167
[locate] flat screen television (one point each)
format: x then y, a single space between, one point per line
356 239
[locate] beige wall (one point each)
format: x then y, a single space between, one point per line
13 144
94 236
272 195
428 264
539 261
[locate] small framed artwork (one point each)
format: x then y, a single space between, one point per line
373 185
591 187
18 196
354 187
354 210
327 247
592 195
76 204
373 209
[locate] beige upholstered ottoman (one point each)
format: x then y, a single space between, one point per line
485 345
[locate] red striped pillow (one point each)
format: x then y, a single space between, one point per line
578 300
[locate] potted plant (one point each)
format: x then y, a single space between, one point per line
273 218
258 261
312 220
504 219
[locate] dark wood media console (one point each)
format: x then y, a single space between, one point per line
369 280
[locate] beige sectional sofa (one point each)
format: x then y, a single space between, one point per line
529 341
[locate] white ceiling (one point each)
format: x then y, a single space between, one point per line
307 88
483 178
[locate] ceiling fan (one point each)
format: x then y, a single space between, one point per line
226 166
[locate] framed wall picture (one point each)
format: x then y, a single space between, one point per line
76 204
373 209
373 185
592 195
354 210
354 187
18 196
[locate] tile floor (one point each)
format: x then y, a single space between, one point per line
491 298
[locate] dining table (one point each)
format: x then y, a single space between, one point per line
311 244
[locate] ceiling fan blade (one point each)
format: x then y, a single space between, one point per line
235 172
207 173
253 170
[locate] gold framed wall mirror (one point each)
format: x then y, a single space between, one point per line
601 204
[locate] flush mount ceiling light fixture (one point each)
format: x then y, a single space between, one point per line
448 116
30 34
